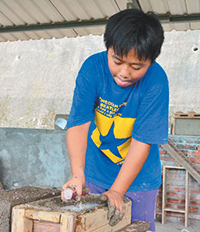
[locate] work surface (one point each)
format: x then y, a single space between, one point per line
60 216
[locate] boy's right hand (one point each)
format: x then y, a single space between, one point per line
116 207
76 183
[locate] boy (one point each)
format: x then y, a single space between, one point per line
119 116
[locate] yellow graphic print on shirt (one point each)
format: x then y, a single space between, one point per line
113 132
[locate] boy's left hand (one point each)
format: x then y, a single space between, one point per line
116 207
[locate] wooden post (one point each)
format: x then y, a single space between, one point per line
36 214
163 195
19 222
67 222
186 198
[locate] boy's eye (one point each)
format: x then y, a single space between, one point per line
135 68
117 62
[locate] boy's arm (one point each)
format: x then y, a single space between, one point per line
135 159
76 145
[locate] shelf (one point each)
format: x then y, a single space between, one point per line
175 210
164 187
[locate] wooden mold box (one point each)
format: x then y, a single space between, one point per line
49 215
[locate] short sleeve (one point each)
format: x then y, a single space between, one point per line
151 125
84 97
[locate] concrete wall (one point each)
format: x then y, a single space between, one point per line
33 157
37 77
181 61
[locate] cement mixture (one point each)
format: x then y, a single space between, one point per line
85 204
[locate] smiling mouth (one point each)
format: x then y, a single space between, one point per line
122 80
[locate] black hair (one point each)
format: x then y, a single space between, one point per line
134 29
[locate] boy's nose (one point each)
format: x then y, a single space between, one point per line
124 72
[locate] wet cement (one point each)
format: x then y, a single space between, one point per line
79 206
92 201
139 226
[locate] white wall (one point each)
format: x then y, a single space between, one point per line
37 77
182 65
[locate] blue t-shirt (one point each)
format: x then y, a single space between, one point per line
117 114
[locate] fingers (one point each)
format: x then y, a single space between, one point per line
116 207
73 192
78 190
65 185
85 191
103 197
116 218
114 214
69 193
72 189
111 210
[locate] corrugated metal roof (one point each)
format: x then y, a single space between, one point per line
36 19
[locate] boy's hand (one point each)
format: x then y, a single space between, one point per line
76 184
116 207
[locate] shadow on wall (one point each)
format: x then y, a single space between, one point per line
33 157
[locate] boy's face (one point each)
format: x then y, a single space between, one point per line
126 70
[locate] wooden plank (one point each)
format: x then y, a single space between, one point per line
180 157
42 226
67 222
190 115
123 223
40 215
186 198
94 221
174 167
175 210
164 195
19 222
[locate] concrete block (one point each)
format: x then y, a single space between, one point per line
187 126
11 198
